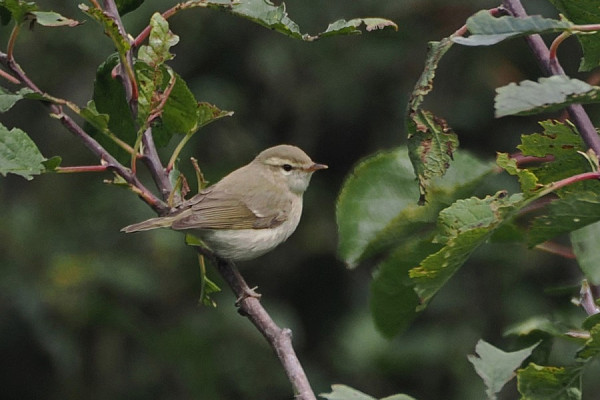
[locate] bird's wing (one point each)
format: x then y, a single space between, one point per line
217 210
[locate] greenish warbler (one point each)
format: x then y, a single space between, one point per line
250 211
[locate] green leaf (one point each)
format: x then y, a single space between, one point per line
160 41
548 94
394 301
52 19
343 392
18 9
573 211
109 102
592 345
110 26
275 17
535 324
486 29
527 179
587 251
542 383
18 154
464 226
126 6
431 146
377 206
343 27
51 164
8 99
495 366
583 12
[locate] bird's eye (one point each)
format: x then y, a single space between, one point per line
286 167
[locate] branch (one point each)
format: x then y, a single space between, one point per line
551 66
152 161
280 339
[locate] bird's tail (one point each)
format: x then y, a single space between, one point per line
152 223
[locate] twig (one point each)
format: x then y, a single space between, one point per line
280 339
551 66
152 161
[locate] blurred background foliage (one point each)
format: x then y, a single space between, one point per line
89 312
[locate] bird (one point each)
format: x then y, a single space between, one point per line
248 212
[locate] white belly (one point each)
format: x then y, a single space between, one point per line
246 244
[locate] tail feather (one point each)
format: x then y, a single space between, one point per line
152 223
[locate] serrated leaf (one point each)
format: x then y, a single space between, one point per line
527 179
587 251
575 210
9 99
537 382
343 27
110 26
583 12
464 226
486 29
548 94
431 147
53 19
160 41
18 154
497 367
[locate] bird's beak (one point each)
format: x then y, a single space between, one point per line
316 167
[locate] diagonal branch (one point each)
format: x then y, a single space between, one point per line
551 66
280 339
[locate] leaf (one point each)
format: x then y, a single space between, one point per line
592 345
535 324
464 226
343 27
53 19
377 206
572 212
18 9
495 366
343 392
548 94
110 26
52 163
431 146
160 41
486 29
583 12
275 17
8 99
587 251
542 383
394 301
18 154
109 102
527 179
126 6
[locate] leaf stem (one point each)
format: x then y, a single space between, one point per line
556 42
81 168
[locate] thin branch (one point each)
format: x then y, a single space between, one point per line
551 66
280 339
151 159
